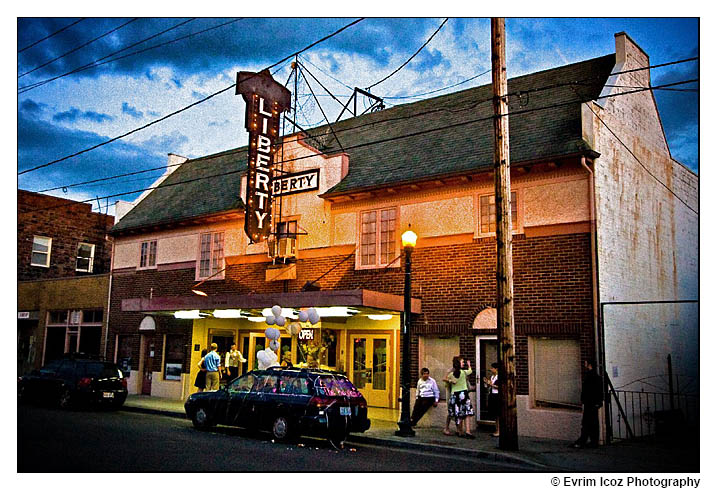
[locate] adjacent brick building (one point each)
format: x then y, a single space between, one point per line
64 254
425 166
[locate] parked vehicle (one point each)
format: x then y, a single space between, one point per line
286 402
75 380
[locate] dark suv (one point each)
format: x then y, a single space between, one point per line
74 380
287 402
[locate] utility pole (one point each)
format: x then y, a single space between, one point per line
508 428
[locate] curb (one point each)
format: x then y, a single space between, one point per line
357 438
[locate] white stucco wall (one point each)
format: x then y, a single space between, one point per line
647 238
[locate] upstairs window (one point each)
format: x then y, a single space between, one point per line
148 254
378 238
211 255
41 247
85 257
287 230
487 214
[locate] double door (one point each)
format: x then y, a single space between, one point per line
252 343
370 359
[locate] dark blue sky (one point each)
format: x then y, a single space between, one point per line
82 109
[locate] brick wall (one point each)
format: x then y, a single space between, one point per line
552 281
67 226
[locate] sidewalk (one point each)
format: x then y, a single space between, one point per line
534 454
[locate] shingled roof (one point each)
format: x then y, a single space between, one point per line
446 135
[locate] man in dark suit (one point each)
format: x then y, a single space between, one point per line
592 400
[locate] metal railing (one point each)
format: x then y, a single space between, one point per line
652 413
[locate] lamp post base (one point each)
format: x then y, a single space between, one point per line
405 429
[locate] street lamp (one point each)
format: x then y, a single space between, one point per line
408 242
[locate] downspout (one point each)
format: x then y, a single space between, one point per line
597 314
109 297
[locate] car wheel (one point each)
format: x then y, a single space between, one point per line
281 428
201 419
65 401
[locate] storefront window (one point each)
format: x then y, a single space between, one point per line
174 356
318 348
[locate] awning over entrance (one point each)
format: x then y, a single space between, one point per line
367 299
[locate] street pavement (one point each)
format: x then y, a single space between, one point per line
537 454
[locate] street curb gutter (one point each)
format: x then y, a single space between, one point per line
481 454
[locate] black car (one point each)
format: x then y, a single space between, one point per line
287 402
74 380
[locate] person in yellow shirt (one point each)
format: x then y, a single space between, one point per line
460 403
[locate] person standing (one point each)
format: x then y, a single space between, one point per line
232 360
212 362
592 400
460 403
427 395
493 384
200 380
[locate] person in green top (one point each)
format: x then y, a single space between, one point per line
459 402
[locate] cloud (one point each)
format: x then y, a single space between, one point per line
131 111
74 114
29 106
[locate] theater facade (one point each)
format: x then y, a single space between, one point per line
185 274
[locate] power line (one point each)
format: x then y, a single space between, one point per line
437 90
187 107
79 47
107 178
386 120
352 147
327 74
27 88
410 58
50 35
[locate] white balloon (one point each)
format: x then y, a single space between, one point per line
272 333
280 320
311 310
314 317
277 310
274 345
270 320
303 316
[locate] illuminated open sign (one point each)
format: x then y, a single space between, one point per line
306 334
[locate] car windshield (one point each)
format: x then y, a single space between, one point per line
330 386
100 370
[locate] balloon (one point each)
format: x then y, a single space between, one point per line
274 345
314 317
280 320
272 333
303 316
294 328
270 320
277 310
267 358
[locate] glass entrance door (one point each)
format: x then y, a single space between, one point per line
487 353
369 367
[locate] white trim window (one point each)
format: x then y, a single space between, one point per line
487 214
148 254
556 372
377 238
41 247
211 255
85 257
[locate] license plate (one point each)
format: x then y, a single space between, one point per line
345 411
108 395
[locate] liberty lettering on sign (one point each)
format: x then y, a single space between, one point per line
265 100
298 182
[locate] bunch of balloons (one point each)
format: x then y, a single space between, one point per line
309 315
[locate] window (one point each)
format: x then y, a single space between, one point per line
85 257
287 230
487 213
436 354
73 331
556 368
174 356
148 254
41 251
378 237
211 259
